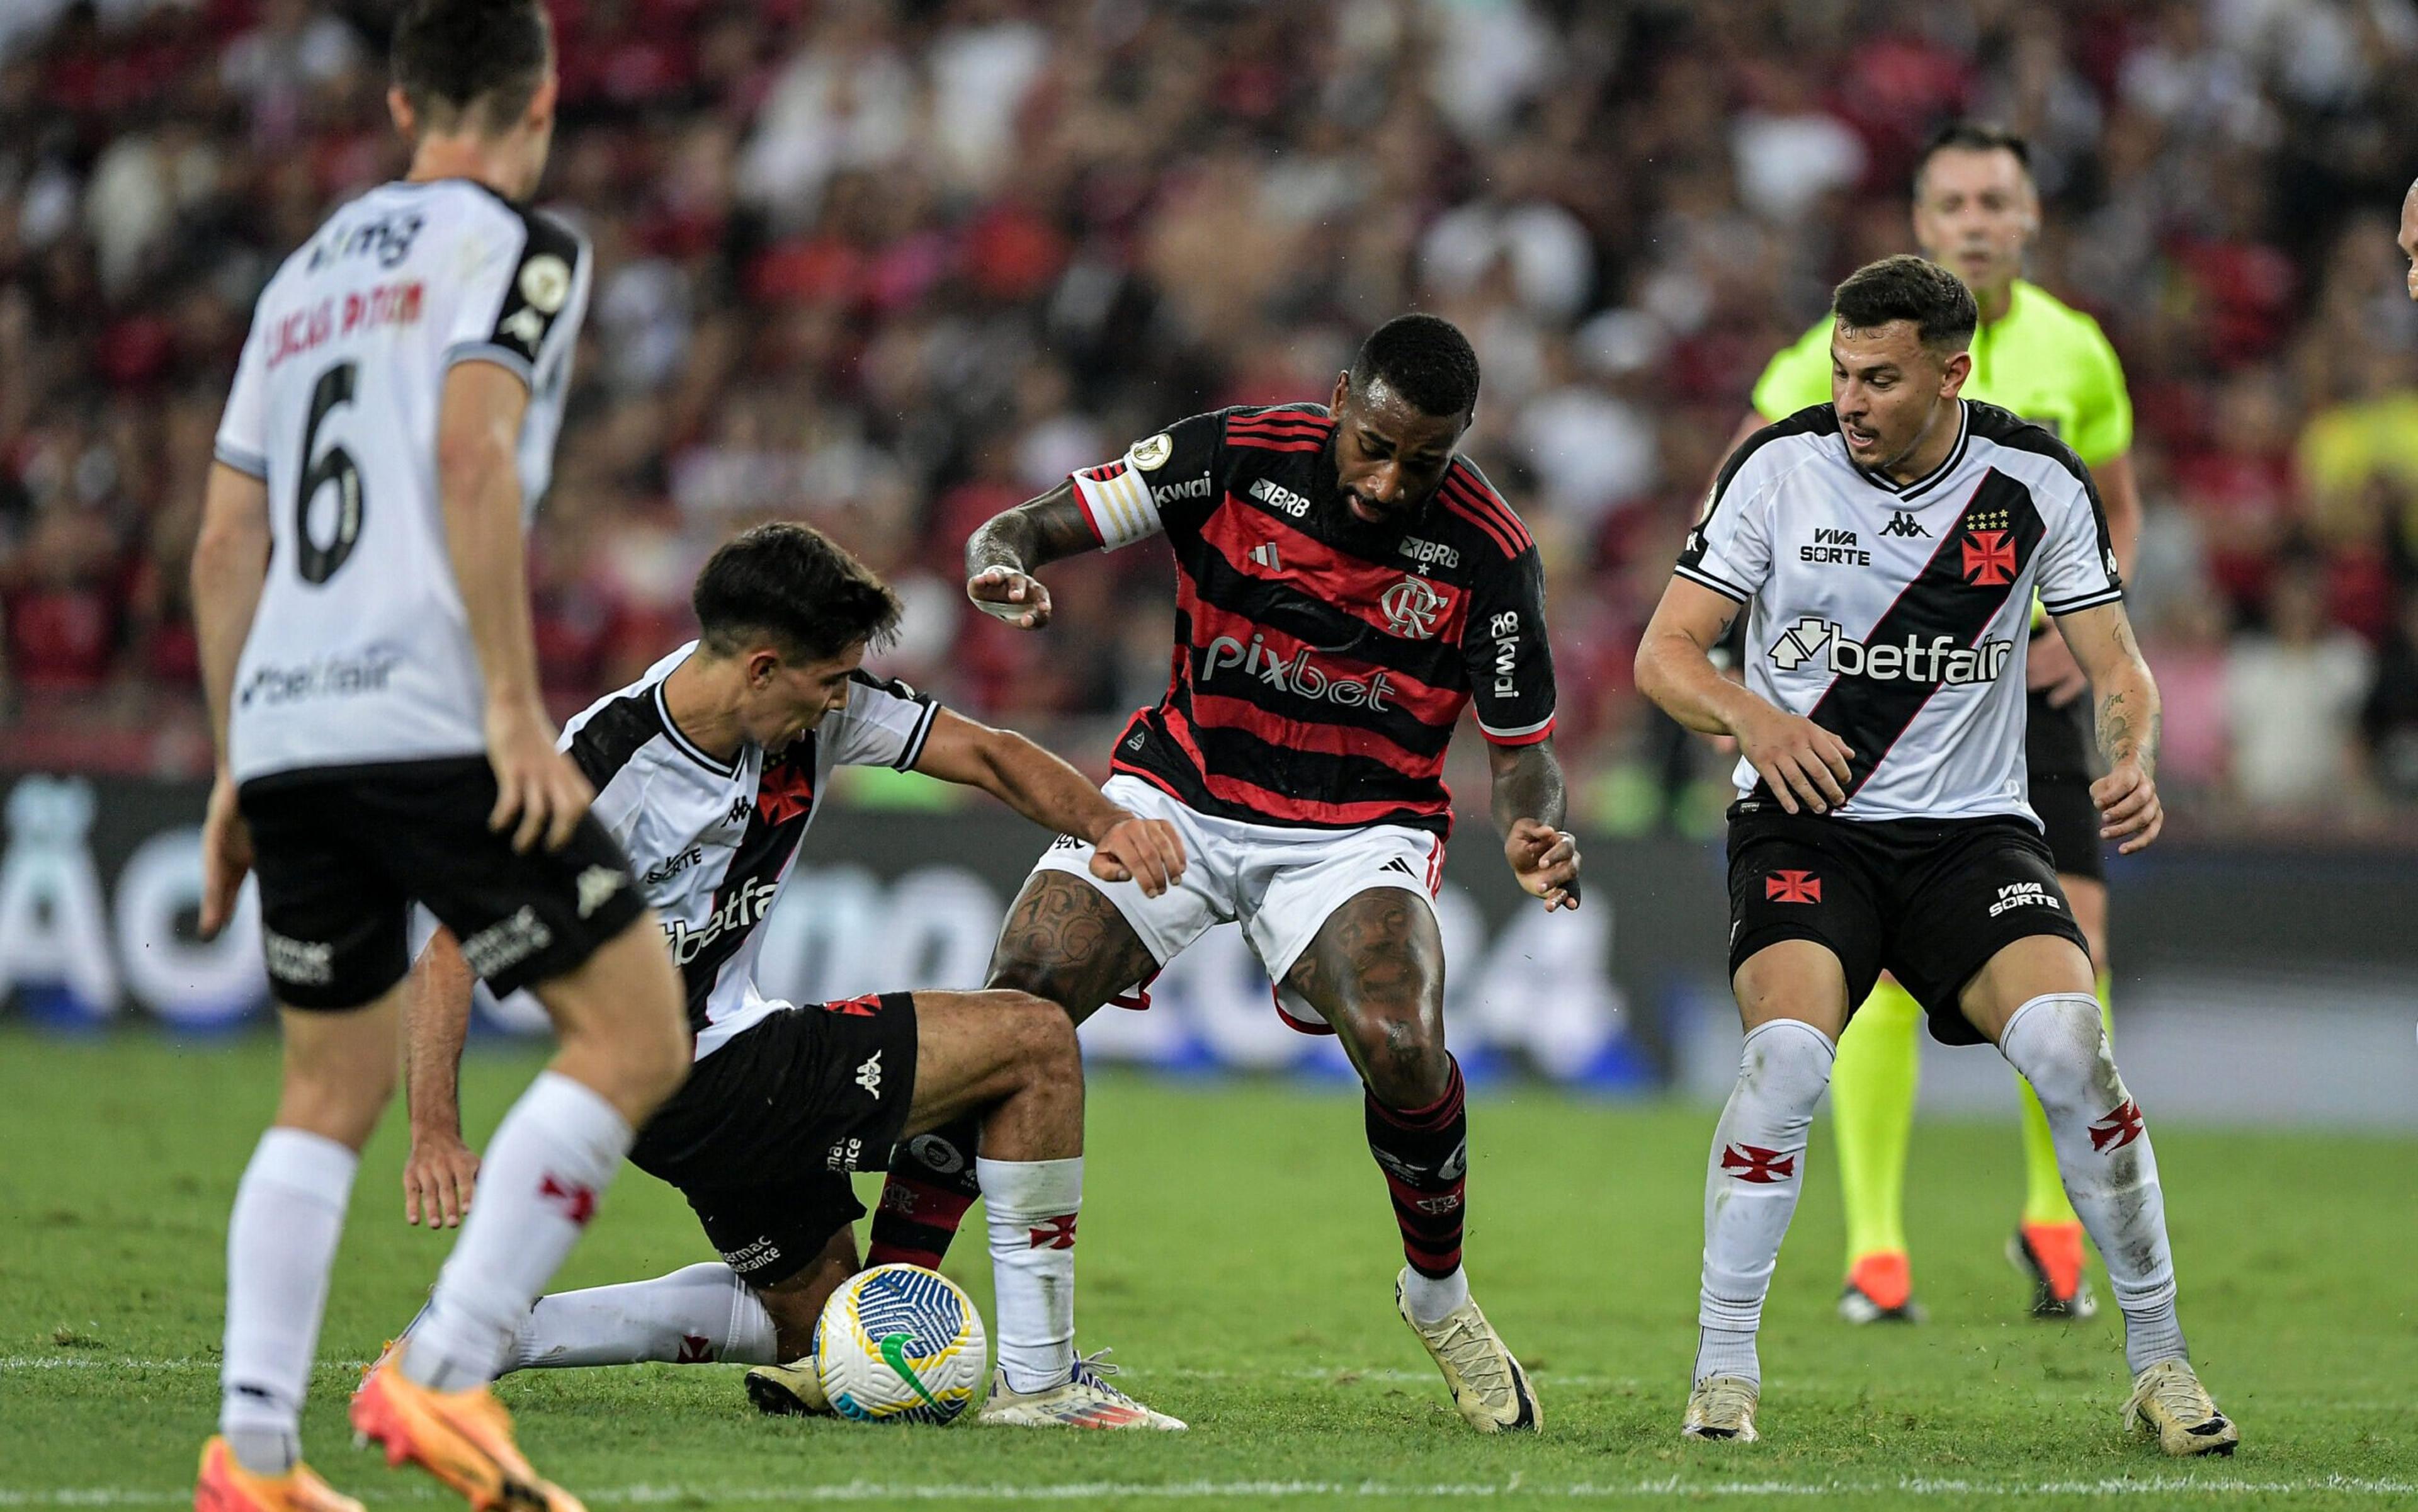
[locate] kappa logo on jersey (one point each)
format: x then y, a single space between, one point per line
740 810
1792 887
1753 1163
868 1077
1905 525
746 910
1834 548
2120 1128
1412 607
2023 895
1940 660
1430 553
1278 496
1297 676
597 885
1989 558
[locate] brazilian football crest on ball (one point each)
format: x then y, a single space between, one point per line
900 1344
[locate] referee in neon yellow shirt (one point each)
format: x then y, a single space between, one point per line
1975 212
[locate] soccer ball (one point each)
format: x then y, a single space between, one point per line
900 1344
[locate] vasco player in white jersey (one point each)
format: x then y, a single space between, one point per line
709 770
366 645
1881 823
1346 585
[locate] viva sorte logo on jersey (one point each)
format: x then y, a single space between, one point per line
1298 676
1820 643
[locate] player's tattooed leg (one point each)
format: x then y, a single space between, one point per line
1065 941
1376 971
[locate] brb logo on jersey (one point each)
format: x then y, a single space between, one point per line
1820 643
1412 607
1297 675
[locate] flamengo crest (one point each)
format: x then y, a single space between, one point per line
1412 607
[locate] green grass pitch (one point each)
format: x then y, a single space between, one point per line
1237 1253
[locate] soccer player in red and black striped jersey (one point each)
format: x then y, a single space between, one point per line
1346 584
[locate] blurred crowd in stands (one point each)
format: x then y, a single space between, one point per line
893 265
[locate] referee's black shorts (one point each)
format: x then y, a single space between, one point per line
341 855
2057 749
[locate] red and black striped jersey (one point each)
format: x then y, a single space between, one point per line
1321 663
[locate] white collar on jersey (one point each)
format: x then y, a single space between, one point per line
680 741
1929 481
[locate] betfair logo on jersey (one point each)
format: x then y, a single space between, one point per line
1817 642
1278 496
1297 675
746 910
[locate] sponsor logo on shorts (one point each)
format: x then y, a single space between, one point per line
332 677
746 910
1792 887
868 1077
1068 842
843 1156
752 1257
1397 864
2023 895
303 962
597 885
1753 1164
507 942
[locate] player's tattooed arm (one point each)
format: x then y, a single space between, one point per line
2130 722
1003 556
442 1171
1529 805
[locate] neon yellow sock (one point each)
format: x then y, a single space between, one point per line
1872 1108
2044 1188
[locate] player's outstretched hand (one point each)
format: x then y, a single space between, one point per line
2129 809
535 784
226 856
1004 593
438 1178
1546 861
1148 852
1802 762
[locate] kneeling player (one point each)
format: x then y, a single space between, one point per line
708 769
1881 821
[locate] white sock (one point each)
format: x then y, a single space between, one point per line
552 1157
1750 1188
698 1315
1033 1206
2103 1151
290 1211
1431 1298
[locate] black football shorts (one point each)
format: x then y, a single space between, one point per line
768 1129
1929 901
341 855
2058 754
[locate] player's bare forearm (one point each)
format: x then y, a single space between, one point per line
435 1025
1527 785
1035 783
1033 535
1675 660
230 565
2128 713
478 478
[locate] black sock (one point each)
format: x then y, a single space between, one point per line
930 1184
1424 1155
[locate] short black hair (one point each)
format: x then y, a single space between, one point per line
1906 287
454 57
796 585
1425 359
1973 136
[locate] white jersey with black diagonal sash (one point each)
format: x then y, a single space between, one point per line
713 842
1896 615
359 651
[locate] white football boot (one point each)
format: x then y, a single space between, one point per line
1487 1383
791 1390
1723 1406
1085 1400
2169 1403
